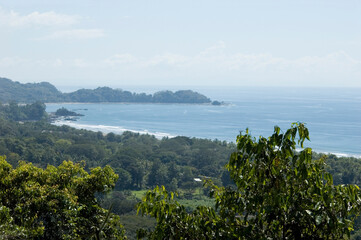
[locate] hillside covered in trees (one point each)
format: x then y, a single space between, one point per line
45 92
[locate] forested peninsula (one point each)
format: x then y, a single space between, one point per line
46 92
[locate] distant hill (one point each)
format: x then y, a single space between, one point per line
29 92
46 92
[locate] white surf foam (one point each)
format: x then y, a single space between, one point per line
337 154
108 129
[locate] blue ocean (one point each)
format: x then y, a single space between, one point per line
333 116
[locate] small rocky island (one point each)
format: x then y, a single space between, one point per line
65 114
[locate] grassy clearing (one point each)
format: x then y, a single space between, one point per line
194 199
192 204
139 194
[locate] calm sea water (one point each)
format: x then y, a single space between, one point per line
333 116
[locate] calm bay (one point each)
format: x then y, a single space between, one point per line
332 115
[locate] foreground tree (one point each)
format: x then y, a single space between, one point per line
279 194
55 203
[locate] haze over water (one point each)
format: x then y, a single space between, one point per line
332 116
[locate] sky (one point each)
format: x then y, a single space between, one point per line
309 43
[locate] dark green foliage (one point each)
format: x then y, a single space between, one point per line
279 194
122 202
30 112
45 92
106 94
125 179
101 94
55 203
158 174
284 194
133 222
216 103
183 96
174 221
345 170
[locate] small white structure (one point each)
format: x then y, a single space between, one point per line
197 179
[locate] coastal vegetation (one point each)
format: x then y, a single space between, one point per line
28 93
278 194
45 92
29 112
142 162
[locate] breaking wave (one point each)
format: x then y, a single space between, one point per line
107 129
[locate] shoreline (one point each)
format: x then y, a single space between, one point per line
159 135
109 129
156 103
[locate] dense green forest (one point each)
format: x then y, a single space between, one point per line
29 112
56 202
141 162
45 92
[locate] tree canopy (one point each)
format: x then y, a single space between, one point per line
29 112
55 203
279 193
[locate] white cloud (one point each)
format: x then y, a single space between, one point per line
14 19
12 61
215 59
120 59
254 62
58 62
75 34
80 63
166 59
17 62
340 59
214 63
266 64
216 49
334 69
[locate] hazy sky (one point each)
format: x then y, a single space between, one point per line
188 42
